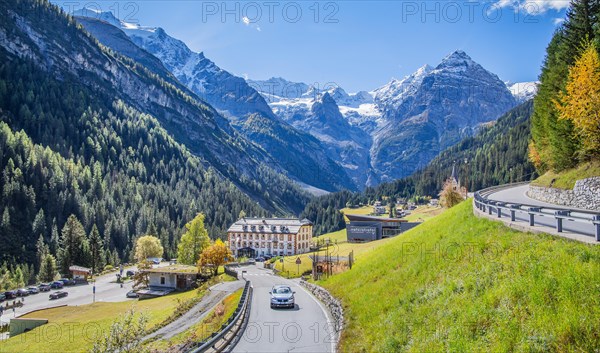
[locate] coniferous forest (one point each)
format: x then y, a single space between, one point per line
130 179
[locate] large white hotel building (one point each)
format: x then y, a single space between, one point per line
269 236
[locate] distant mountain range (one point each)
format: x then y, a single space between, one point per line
299 154
324 137
405 123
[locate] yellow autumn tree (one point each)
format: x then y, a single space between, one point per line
147 247
580 102
217 254
450 195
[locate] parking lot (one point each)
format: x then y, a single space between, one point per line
78 294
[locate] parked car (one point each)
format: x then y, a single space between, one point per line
130 273
56 285
268 256
68 281
155 260
58 294
11 294
260 259
2 297
22 292
282 296
33 290
132 294
44 287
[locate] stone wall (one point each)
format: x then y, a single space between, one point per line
585 195
333 306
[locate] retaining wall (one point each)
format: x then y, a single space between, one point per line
585 195
333 306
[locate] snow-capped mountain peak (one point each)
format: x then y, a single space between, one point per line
523 91
99 15
394 93
457 61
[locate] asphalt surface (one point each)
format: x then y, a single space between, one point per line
305 328
518 195
78 295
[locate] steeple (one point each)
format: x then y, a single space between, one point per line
454 175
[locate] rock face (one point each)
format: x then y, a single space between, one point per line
352 140
450 103
346 143
405 123
299 154
585 195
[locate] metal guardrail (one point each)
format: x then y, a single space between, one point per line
229 334
485 204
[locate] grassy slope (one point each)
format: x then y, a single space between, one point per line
78 325
200 331
342 248
462 284
566 179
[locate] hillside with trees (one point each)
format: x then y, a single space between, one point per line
566 122
85 173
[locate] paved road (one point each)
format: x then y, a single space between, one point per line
518 195
306 328
78 295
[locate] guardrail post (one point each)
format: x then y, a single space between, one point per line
489 208
499 209
513 212
559 221
597 224
532 215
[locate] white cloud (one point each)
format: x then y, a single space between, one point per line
249 23
534 7
559 20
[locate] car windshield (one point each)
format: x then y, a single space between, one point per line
282 290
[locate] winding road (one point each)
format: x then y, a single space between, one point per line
305 328
518 194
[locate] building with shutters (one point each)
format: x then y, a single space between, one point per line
253 237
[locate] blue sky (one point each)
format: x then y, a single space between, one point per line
359 45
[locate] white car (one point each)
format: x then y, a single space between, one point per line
282 296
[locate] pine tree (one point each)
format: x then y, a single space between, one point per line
96 250
73 245
54 238
48 269
42 250
39 224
